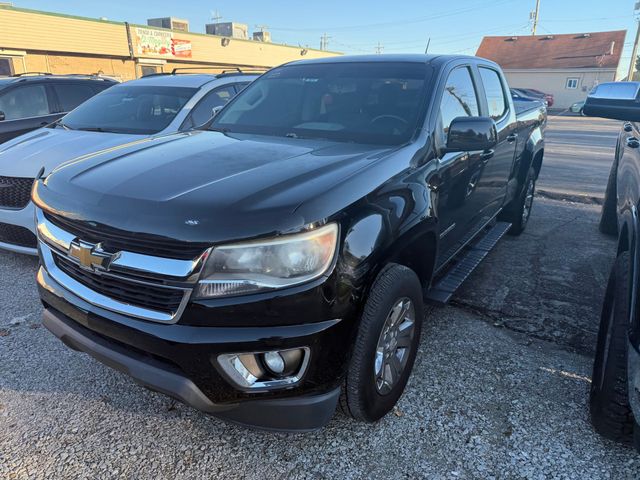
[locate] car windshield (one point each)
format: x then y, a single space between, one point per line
133 109
378 102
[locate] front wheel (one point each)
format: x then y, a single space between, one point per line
519 211
386 345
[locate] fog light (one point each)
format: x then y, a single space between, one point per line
265 370
274 362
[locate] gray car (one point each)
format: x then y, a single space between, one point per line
118 118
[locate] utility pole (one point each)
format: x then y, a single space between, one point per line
634 53
324 41
534 17
379 48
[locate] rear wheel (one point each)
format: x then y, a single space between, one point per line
519 211
609 400
386 345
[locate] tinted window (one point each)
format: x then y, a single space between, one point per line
459 97
70 95
494 91
216 98
130 109
24 101
359 102
241 86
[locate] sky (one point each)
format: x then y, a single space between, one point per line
365 26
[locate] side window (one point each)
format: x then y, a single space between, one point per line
459 98
494 91
70 95
24 102
201 113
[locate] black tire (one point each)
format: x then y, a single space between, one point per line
515 212
608 217
361 398
609 399
636 436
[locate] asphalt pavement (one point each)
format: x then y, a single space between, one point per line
499 389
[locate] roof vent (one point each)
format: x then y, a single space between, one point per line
585 35
511 39
547 37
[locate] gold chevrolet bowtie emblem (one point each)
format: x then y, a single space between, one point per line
91 256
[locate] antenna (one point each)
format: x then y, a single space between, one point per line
379 48
215 16
262 27
324 41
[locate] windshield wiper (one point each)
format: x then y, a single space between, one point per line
93 129
60 123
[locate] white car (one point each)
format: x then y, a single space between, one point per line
120 116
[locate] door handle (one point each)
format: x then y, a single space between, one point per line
486 156
633 142
627 126
512 138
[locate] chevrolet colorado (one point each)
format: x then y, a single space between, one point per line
274 264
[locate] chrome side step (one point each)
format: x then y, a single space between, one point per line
442 291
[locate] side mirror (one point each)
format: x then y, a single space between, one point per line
471 133
615 100
2 116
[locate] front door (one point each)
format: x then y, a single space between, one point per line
458 172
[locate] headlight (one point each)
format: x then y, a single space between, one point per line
268 264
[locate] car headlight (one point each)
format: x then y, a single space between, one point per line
256 266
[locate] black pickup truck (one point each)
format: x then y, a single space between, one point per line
274 264
615 384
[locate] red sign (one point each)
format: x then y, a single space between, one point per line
181 48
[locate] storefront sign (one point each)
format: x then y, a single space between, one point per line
161 43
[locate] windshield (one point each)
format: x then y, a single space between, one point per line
358 102
129 109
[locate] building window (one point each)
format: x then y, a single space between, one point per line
572 83
6 67
148 70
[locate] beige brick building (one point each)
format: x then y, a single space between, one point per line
34 41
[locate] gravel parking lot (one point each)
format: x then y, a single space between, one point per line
499 390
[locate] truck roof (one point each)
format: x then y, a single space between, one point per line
394 57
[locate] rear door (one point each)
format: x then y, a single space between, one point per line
491 188
26 107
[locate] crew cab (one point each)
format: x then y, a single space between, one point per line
276 263
615 383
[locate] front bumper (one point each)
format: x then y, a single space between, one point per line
177 359
23 218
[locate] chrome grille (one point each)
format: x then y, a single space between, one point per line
145 295
15 192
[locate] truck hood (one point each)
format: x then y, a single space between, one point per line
25 155
204 186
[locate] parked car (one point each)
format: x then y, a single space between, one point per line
533 93
274 265
125 115
522 103
578 107
32 100
615 383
